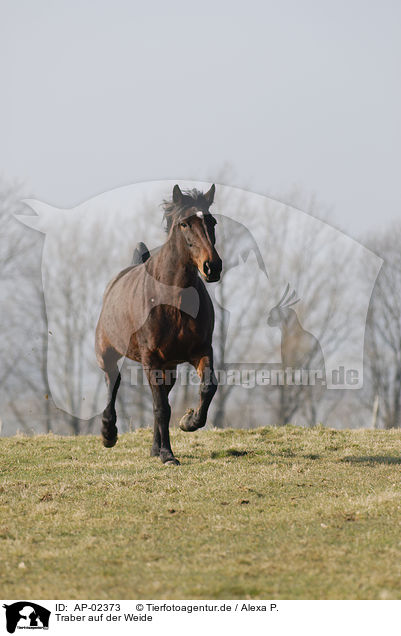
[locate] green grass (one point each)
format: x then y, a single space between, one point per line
268 513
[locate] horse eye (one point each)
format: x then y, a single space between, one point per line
184 224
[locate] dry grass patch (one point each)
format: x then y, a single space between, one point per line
267 513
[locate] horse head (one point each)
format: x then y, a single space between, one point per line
189 219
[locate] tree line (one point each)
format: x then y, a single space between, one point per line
25 397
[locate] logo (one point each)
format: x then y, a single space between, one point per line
292 300
26 615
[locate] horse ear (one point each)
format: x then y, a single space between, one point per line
177 194
209 196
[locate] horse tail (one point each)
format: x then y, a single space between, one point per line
141 254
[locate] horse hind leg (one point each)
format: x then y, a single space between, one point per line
109 417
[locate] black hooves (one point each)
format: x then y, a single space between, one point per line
109 443
172 462
168 459
109 435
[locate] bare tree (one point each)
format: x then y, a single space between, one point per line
24 336
312 271
244 299
382 392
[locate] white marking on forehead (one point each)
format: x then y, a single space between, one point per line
200 214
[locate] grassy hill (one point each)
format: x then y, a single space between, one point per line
267 513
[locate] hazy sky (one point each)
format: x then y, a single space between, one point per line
97 94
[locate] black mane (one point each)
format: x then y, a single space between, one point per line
173 212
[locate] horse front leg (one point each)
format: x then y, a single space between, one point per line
192 420
169 379
162 412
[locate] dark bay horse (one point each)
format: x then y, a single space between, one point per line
159 313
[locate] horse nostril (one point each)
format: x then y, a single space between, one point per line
207 268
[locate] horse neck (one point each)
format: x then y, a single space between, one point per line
172 265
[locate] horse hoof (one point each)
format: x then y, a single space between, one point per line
172 462
155 451
109 443
169 459
187 422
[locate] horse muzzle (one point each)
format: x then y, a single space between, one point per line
212 270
